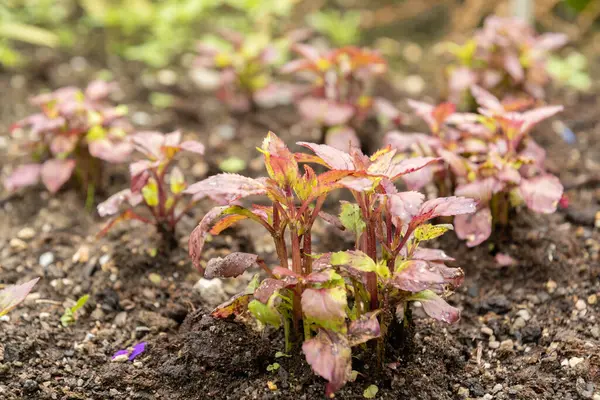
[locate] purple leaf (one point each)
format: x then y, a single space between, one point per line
409 165
56 172
364 329
513 66
474 228
535 116
23 175
137 350
542 193
198 235
63 144
230 187
325 305
550 41
330 357
11 296
422 253
111 205
436 307
358 184
232 265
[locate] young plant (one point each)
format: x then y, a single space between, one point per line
340 97
156 184
488 156
11 296
506 57
245 64
70 315
336 300
75 132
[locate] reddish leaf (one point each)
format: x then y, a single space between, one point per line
342 138
417 275
436 307
192 146
542 193
63 144
504 260
325 305
426 254
23 175
325 111
225 223
330 357
444 207
237 305
405 205
364 329
485 99
270 285
474 228
124 216
535 116
232 265
409 165
11 296
332 157
56 172
111 152
198 235
230 187
111 205
481 190
513 66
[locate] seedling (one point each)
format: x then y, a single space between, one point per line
156 184
333 301
11 296
340 97
70 315
505 57
246 63
488 156
74 134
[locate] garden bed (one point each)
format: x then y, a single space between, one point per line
528 331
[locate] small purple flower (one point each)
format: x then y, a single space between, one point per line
130 353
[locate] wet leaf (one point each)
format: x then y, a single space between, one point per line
351 218
428 231
198 235
232 265
542 193
55 173
325 306
474 228
230 187
330 357
364 329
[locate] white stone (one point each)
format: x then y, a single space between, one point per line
574 361
46 259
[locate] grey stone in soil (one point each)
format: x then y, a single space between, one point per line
498 304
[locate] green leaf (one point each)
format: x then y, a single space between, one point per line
265 313
578 5
232 165
430 231
273 367
351 218
161 100
28 34
69 316
370 392
150 193
360 261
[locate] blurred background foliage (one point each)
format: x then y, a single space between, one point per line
155 32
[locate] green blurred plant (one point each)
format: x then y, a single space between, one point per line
36 22
341 29
69 316
570 71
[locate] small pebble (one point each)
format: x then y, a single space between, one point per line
592 299
574 361
507 344
487 331
524 314
46 259
497 388
551 286
18 244
26 233
519 323
580 305
494 345
487 396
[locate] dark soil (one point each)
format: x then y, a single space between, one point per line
530 331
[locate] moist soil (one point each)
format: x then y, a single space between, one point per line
528 331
